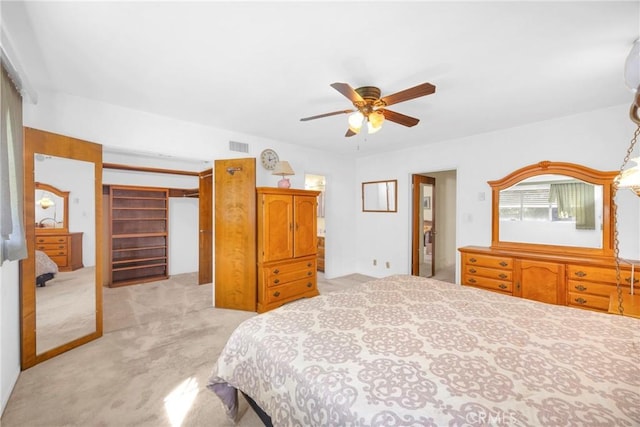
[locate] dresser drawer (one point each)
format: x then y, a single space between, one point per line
491 273
60 260
51 239
486 283
52 249
488 261
583 300
281 293
600 274
583 287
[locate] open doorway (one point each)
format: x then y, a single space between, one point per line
318 183
433 225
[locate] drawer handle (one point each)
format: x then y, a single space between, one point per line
502 276
276 294
308 264
309 273
472 280
276 271
473 260
502 286
61 247
628 280
580 273
276 281
309 285
472 270
581 288
60 240
40 240
580 300
504 263
60 253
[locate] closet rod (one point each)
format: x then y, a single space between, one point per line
148 169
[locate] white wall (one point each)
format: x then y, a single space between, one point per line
9 330
597 139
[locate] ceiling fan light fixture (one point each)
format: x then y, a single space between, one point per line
355 121
632 67
374 121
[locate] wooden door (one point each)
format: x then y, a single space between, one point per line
275 229
540 281
305 226
205 218
235 234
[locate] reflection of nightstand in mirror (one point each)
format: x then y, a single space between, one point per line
65 249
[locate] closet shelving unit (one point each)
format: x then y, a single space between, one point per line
139 234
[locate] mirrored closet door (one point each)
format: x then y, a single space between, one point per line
62 277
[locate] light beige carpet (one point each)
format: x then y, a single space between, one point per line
149 369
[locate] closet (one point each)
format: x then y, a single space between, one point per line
138 218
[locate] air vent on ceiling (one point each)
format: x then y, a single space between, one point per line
240 147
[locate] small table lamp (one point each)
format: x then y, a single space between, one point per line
283 169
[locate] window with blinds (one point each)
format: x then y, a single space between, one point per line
529 203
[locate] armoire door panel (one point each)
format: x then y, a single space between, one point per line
305 220
278 239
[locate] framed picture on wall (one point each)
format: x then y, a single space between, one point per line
427 202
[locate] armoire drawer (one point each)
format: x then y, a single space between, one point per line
289 290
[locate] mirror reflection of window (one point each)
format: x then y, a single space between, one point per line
552 209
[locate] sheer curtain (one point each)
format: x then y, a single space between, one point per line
13 245
577 200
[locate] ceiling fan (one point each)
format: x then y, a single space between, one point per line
370 107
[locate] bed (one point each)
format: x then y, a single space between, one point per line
410 351
46 268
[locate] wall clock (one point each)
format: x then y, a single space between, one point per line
269 159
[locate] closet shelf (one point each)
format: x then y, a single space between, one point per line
139 239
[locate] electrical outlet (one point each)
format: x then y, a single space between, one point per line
375 262
388 264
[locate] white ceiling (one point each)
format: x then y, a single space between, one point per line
258 67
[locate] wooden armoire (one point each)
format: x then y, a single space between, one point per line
287 245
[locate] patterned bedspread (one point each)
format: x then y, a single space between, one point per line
409 351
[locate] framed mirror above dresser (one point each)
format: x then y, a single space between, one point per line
552 237
61 278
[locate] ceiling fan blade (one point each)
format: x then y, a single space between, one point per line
411 93
400 118
350 133
319 116
347 91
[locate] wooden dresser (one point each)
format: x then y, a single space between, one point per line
65 249
287 246
575 281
